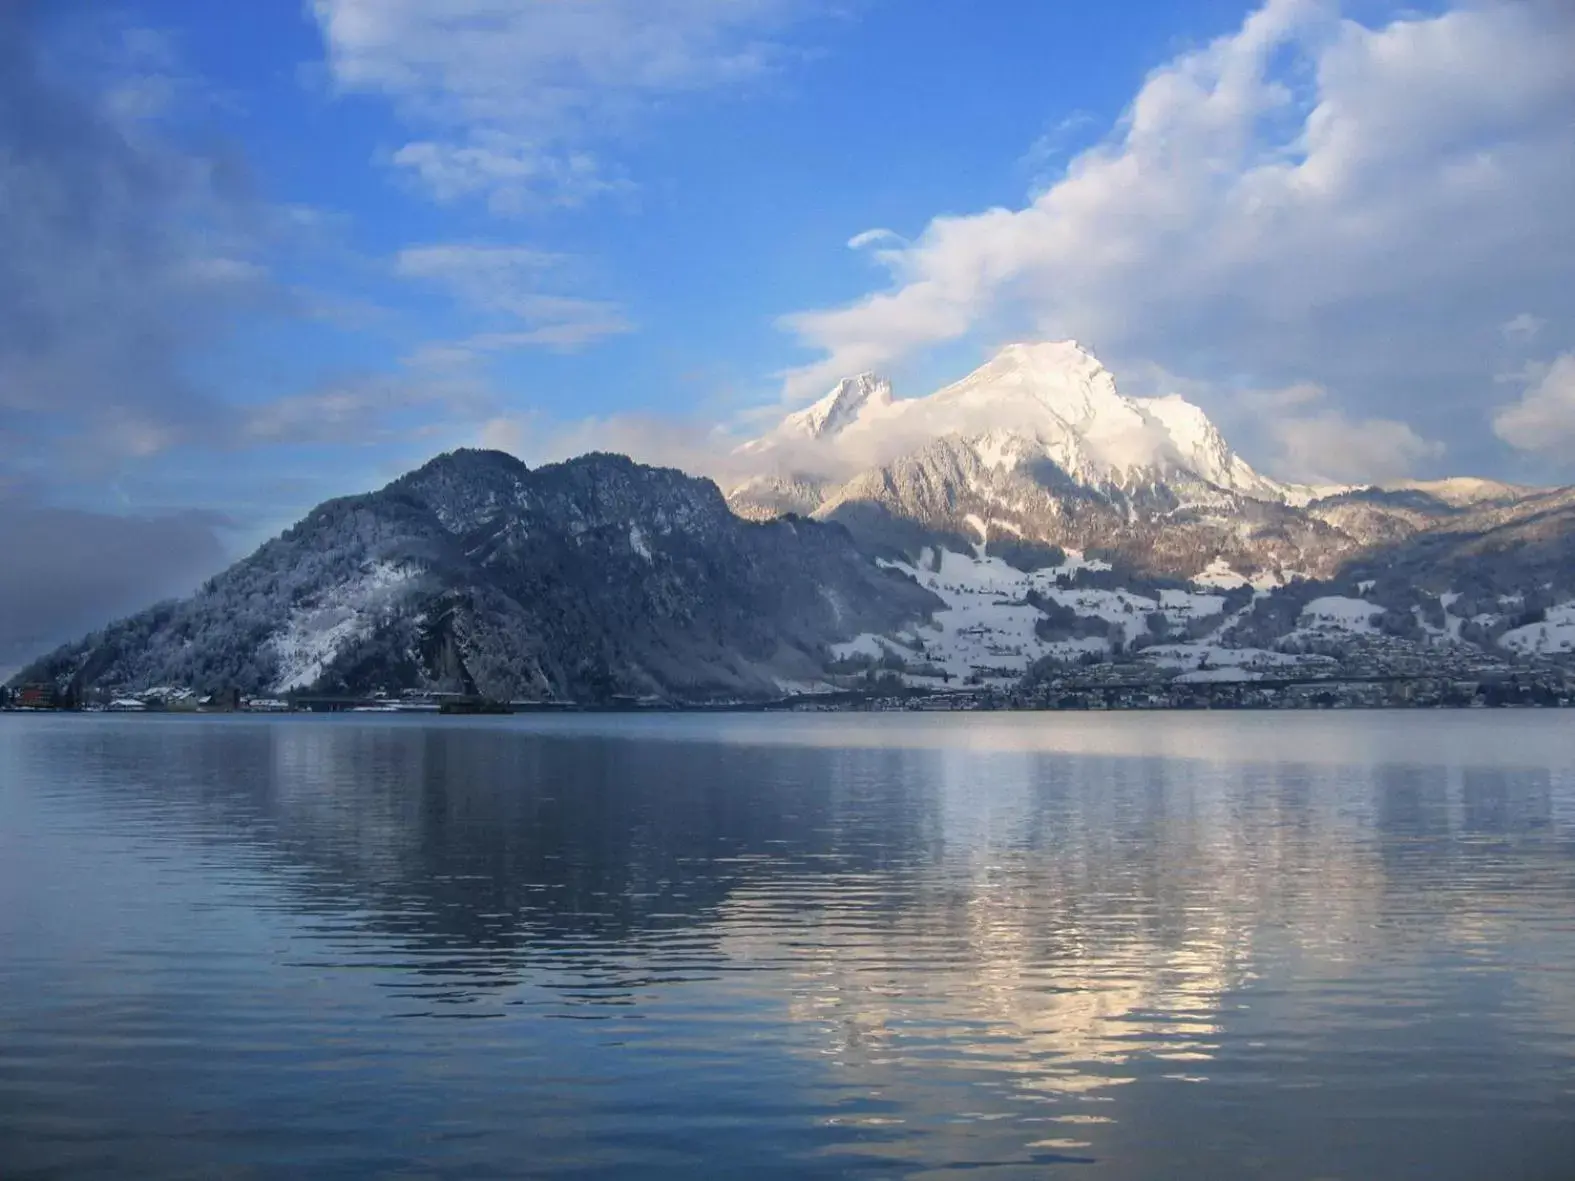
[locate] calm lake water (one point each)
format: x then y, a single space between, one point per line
1106 947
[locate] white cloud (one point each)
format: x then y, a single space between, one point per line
507 282
515 91
1329 448
875 237
1521 330
505 168
1054 145
1284 398
362 412
1543 420
692 445
485 274
1304 200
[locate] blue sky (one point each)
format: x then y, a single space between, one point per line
262 254
732 206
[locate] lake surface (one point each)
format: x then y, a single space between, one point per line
1106 947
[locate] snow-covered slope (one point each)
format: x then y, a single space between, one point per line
866 396
999 621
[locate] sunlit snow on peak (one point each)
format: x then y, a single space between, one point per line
1050 400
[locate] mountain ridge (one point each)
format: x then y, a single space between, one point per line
1079 528
575 581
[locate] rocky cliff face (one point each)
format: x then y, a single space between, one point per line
579 581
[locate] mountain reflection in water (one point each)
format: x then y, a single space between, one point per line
1173 945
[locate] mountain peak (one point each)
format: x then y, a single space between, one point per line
1060 376
1055 397
841 407
1045 350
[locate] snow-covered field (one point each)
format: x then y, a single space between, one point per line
986 629
1220 575
1554 634
1206 657
1338 613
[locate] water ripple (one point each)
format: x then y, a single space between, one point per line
1130 947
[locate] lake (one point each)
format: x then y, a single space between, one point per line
1305 946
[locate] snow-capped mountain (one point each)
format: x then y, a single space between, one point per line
1031 403
1039 445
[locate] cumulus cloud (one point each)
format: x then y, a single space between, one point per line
1307 199
1543 420
1330 448
516 94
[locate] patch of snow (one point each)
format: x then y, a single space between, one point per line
1220 575
638 543
998 449
1203 656
1074 562
1340 613
839 609
1556 633
986 630
868 644
1187 604
318 631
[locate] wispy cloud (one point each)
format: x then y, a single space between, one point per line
1521 330
364 411
510 284
1052 148
514 96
